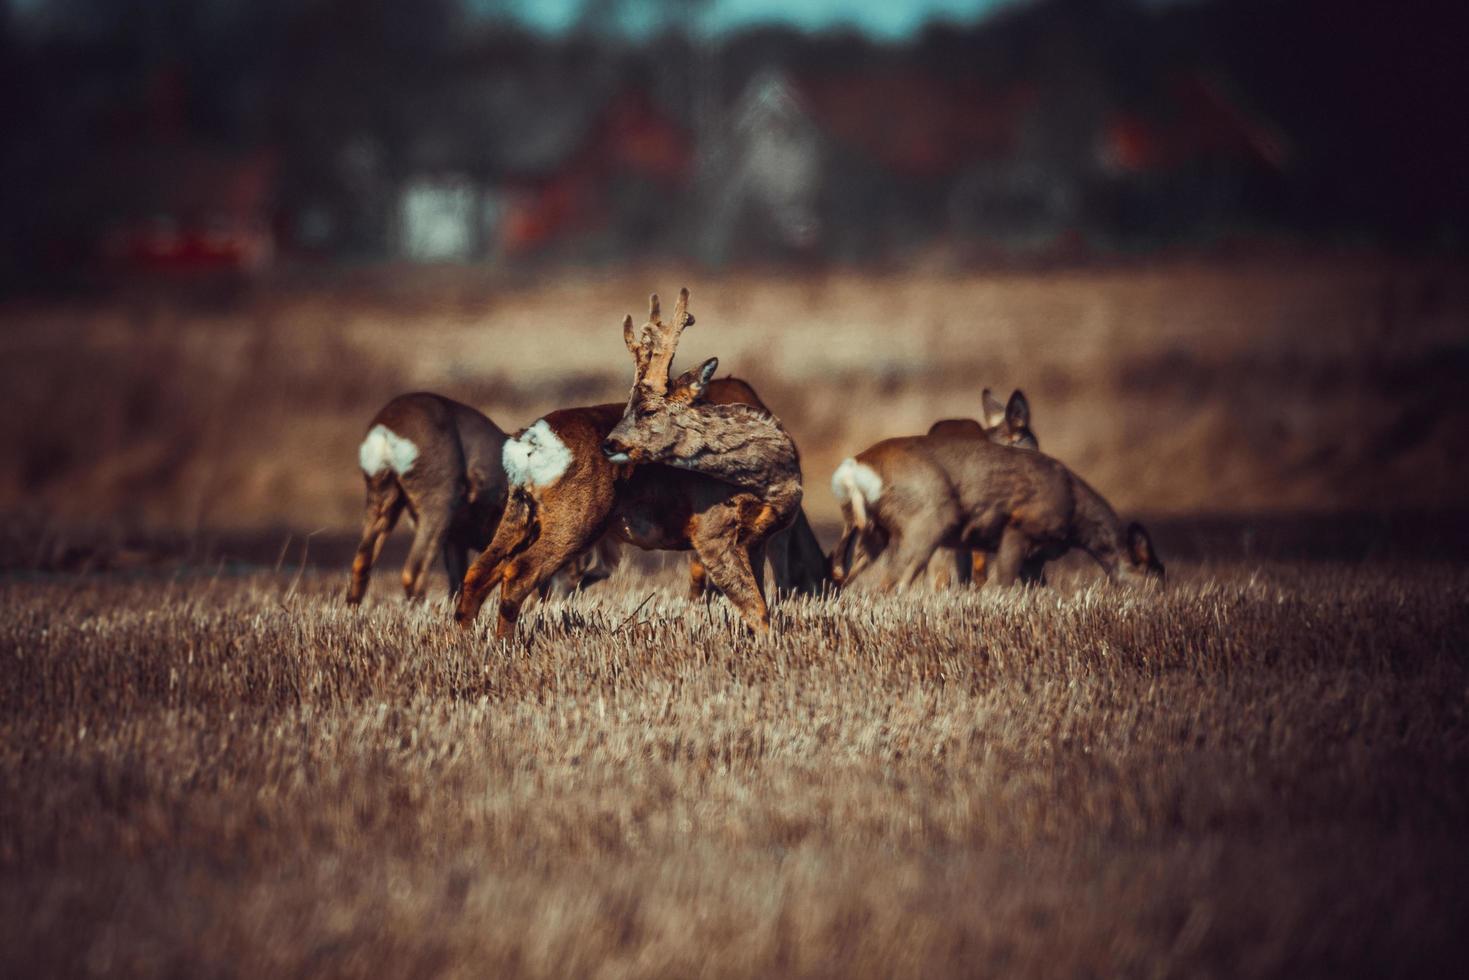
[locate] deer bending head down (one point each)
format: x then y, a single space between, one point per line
904 497
1005 424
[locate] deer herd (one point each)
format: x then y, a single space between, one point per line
699 464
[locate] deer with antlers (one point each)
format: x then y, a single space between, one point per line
734 480
903 498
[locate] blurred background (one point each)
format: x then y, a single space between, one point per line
1220 245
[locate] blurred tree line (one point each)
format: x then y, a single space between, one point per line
346 129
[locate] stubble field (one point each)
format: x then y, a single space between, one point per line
209 766
1263 771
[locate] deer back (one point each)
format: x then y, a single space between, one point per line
559 457
1007 424
442 452
963 428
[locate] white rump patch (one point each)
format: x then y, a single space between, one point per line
858 484
535 458
384 448
852 478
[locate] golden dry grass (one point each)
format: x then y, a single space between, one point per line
1306 384
1262 772
216 770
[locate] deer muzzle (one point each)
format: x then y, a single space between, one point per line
615 451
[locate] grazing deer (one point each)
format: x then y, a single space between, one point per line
440 460
1005 425
902 498
566 493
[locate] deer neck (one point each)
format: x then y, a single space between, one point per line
740 445
1099 530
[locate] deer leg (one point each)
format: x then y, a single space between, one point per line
384 504
756 553
568 579
940 571
727 561
909 559
949 567
857 551
700 585
729 566
1033 571
888 563
839 562
585 569
805 561
606 556
1014 546
517 528
963 560
524 574
516 586
978 561
780 547
456 562
428 541
698 579
483 575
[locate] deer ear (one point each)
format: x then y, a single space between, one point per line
994 412
1017 412
1139 545
705 374
689 386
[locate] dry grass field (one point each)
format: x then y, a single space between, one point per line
1181 388
210 766
1263 771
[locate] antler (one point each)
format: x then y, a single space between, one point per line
638 351
653 352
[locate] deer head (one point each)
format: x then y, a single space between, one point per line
1008 424
1139 563
651 428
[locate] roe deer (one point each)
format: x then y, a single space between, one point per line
734 442
440 461
1006 425
565 494
902 498
797 562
